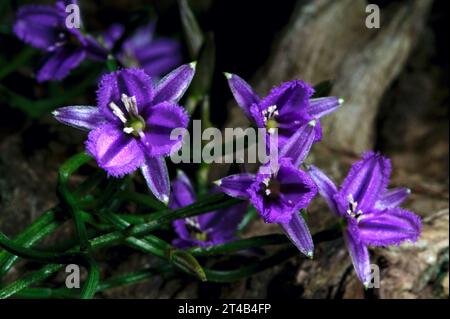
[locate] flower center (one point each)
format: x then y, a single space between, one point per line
194 230
352 208
271 188
269 118
132 121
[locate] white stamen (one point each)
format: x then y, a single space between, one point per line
128 130
270 112
192 222
130 104
341 101
218 182
117 112
266 181
268 192
353 205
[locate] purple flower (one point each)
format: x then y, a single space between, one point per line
44 27
132 124
370 211
205 230
289 108
156 56
278 197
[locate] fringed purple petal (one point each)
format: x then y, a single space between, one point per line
111 35
184 239
60 62
298 232
158 57
236 185
290 190
359 254
389 227
172 87
322 106
156 175
392 198
290 98
117 153
223 223
131 82
82 117
367 180
141 38
94 50
242 92
38 25
296 186
298 145
182 192
318 130
327 189
162 120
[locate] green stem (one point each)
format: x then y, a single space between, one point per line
209 204
156 246
117 281
10 259
142 199
90 286
238 245
68 200
30 235
20 59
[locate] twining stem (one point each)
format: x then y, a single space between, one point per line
156 246
211 275
237 245
90 286
68 200
117 281
157 220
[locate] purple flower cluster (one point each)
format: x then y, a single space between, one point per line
130 128
369 211
44 27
